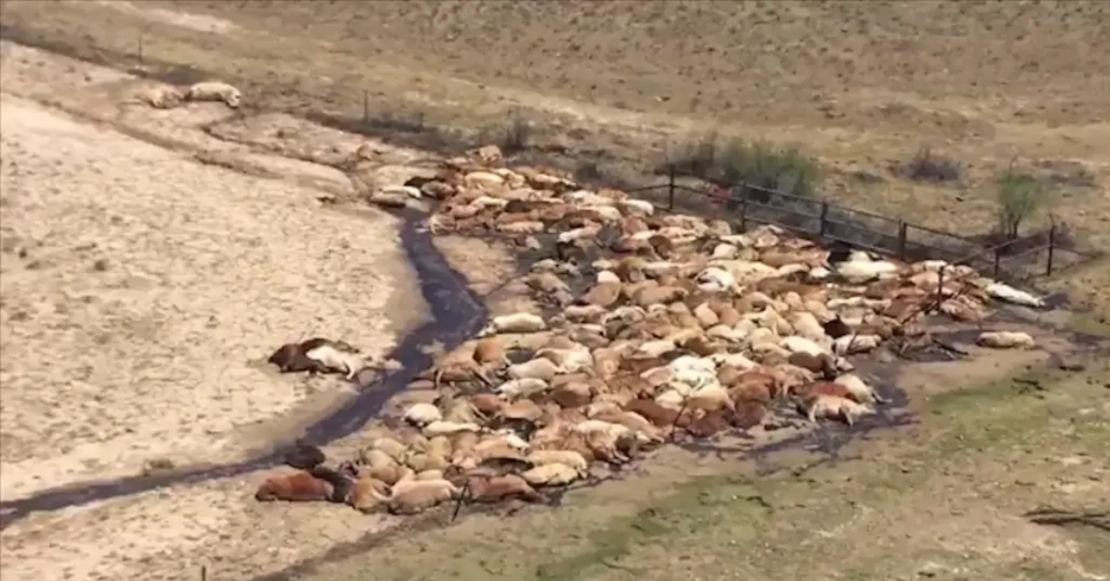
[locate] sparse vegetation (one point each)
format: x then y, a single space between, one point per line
734 160
927 166
516 136
1020 197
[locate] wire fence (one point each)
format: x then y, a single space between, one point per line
1042 254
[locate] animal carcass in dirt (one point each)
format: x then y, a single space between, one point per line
317 355
856 343
422 414
1012 295
316 485
1006 340
162 97
860 269
215 91
514 323
834 407
861 392
413 496
550 475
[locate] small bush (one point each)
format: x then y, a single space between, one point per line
605 175
697 157
735 161
1020 196
517 136
929 167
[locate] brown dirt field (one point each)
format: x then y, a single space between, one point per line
611 86
126 266
113 242
169 534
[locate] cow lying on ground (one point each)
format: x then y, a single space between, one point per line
318 355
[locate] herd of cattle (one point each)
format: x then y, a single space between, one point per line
649 327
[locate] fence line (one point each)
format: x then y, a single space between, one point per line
746 204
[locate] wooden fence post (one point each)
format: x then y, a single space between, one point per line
670 188
824 217
203 573
365 107
997 261
1051 248
902 231
140 51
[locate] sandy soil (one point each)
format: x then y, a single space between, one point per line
168 535
141 293
491 269
149 300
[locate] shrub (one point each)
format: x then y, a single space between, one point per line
929 167
737 161
517 136
1020 196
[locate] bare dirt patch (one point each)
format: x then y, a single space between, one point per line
139 288
490 267
169 534
141 293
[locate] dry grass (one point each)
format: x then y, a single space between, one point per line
611 87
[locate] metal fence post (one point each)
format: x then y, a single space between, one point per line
997 260
670 188
1051 248
902 230
824 217
365 107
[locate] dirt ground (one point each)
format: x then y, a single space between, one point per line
116 243
861 86
170 534
126 265
611 86
491 269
